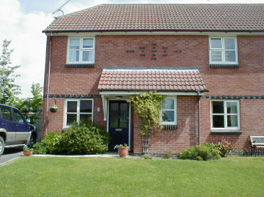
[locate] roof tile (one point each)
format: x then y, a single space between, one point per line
185 17
129 79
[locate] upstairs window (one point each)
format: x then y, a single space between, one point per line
225 114
169 111
81 50
223 51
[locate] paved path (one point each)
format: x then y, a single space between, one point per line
10 154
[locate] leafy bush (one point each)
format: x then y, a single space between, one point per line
204 151
225 147
40 148
86 138
51 144
189 153
168 155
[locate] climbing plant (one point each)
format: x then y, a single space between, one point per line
148 106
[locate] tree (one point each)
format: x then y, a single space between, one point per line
148 108
31 107
8 89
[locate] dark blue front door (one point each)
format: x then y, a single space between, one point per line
118 123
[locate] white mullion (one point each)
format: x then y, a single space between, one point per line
78 111
225 116
81 50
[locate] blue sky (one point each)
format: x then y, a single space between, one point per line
22 22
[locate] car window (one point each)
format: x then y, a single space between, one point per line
18 117
5 113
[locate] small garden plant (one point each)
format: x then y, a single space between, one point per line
121 146
25 149
201 152
225 147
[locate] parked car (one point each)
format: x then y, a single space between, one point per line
14 129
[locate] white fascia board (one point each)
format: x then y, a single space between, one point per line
85 34
120 93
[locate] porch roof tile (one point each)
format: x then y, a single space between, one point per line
146 79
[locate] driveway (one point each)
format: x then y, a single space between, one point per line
10 154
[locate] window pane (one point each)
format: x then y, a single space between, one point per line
216 43
6 113
72 106
232 121
168 103
123 115
114 115
71 118
18 117
230 56
231 107
88 43
216 56
85 118
168 116
218 121
74 43
87 56
86 106
218 107
74 56
229 43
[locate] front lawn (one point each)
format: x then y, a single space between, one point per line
35 176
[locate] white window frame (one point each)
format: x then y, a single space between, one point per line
81 49
174 110
223 50
225 128
78 113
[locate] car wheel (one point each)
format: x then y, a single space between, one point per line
32 141
2 145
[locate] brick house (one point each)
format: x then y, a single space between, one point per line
207 60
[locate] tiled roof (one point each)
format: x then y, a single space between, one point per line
160 79
167 17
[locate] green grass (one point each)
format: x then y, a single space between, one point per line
35 176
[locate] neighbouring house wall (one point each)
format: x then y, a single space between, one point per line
182 51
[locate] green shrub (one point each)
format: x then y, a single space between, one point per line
204 151
168 155
225 147
189 153
86 138
40 148
199 158
52 142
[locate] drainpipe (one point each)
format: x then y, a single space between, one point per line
199 118
48 88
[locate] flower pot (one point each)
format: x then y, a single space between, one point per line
123 151
28 153
53 110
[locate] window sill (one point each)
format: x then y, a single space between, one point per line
226 132
79 65
224 65
169 127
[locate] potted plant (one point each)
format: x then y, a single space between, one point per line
27 151
53 108
122 149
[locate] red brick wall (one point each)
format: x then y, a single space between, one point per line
173 140
111 51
